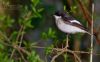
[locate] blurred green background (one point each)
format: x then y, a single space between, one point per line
28 32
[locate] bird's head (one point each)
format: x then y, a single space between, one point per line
58 15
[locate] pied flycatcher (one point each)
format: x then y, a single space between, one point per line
68 24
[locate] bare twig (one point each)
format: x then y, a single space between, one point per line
5 37
91 55
88 17
76 56
60 49
23 50
53 59
22 34
19 33
17 38
20 53
6 44
13 51
66 50
23 27
67 44
86 13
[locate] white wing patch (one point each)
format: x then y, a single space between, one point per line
75 21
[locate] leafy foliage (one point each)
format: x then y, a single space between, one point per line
14 39
14 46
33 57
49 34
5 58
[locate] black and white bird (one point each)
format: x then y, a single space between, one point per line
68 24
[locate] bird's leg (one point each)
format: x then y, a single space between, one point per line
67 45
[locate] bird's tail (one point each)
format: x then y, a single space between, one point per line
89 33
92 35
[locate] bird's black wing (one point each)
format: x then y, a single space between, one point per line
80 26
68 21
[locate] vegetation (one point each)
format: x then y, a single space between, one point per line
20 18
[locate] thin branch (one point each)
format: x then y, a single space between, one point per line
6 44
6 38
19 33
85 12
91 55
22 34
26 17
67 44
12 53
76 56
60 49
23 50
16 47
66 50
17 38
53 59
20 53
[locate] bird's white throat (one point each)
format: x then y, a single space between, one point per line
57 17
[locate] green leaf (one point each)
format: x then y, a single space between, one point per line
28 24
34 9
13 35
2 18
44 36
33 57
50 31
73 8
35 2
10 22
49 49
40 10
1 46
64 8
4 57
